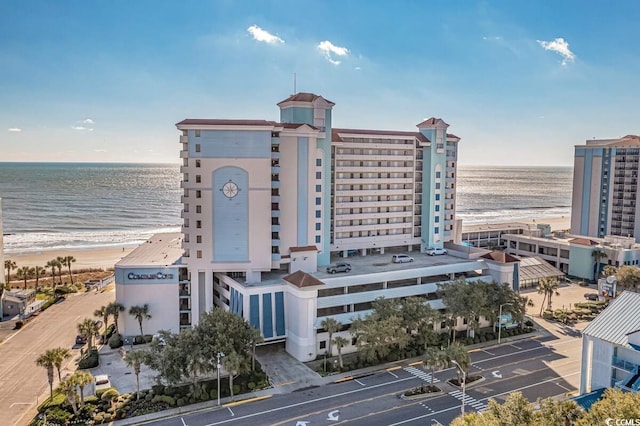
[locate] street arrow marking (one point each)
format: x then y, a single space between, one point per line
497 374
302 423
334 415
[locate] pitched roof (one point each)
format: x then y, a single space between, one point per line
302 279
303 248
534 268
431 122
335 134
500 256
224 122
628 140
583 241
620 318
304 97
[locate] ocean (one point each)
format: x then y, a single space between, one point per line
48 206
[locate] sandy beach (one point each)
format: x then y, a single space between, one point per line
103 258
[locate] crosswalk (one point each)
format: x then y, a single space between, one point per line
421 374
468 400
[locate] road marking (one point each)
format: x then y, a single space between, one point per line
229 408
19 403
564 387
334 415
486 351
244 401
183 422
497 374
517 347
397 367
359 382
284 383
344 379
394 375
415 363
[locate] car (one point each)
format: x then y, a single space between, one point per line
339 267
102 382
436 251
591 296
80 340
401 258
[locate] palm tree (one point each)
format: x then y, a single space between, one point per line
114 309
47 360
38 271
67 261
140 313
68 387
104 314
331 325
82 378
434 358
255 338
59 265
53 264
598 254
234 364
548 287
25 273
9 265
340 342
135 359
88 329
458 353
60 355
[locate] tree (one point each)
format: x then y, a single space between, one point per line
614 403
104 314
53 264
552 412
516 410
375 337
628 277
60 354
140 313
81 379
340 342
114 309
331 325
68 387
47 360
598 254
256 338
458 353
234 364
609 270
67 261
38 271
88 329
9 265
548 286
135 359
25 273
60 263
434 359
476 419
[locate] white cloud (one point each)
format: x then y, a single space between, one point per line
559 46
87 121
263 35
14 129
492 38
328 49
82 128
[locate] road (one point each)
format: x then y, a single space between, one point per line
540 367
22 383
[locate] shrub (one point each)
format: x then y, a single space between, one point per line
107 394
164 398
109 331
148 338
107 418
251 386
180 402
138 340
90 359
58 415
236 389
158 389
98 418
115 341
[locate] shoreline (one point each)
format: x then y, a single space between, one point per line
106 257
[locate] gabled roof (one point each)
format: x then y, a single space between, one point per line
302 279
304 97
500 256
619 319
296 125
335 134
628 140
583 241
224 122
303 248
430 122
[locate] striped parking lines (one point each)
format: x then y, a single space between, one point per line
468 400
421 374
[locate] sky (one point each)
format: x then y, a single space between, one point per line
520 82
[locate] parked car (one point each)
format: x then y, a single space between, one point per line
591 296
401 258
102 382
436 251
80 340
339 267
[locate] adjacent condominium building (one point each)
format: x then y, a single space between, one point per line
267 205
605 188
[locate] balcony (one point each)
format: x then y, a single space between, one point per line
184 154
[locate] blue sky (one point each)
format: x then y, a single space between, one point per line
520 82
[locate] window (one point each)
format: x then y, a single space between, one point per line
197 133
318 225
437 185
198 239
323 344
318 201
318 175
318 162
198 194
197 163
198 224
198 209
197 147
437 208
437 175
318 188
317 239
318 214
436 230
437 219
199 254
437 197
198 179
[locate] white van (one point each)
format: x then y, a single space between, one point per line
401 258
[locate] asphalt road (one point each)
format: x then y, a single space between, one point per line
22 383
537 367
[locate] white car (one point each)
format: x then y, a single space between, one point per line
436 251
401 258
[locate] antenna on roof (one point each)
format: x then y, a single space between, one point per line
294 83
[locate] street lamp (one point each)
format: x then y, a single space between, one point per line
500 319
464 382
219 355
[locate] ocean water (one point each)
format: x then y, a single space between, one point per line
89 205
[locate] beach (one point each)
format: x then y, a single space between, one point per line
104 258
